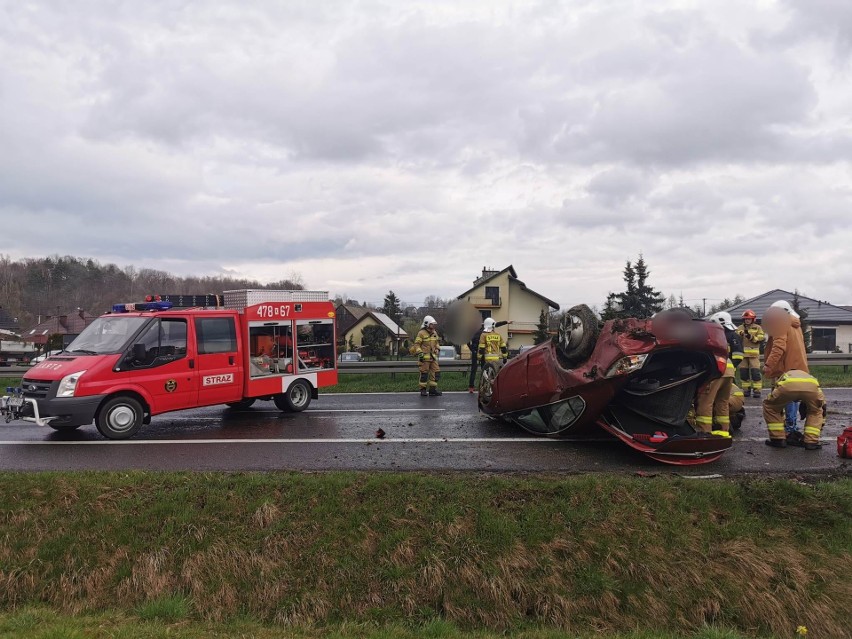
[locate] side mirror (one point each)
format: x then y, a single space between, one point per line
139 352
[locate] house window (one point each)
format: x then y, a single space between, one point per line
824 339
485 314
493 293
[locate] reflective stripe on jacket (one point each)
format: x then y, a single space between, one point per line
752 337
427 343
492 347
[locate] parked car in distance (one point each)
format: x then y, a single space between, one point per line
41 358
523 349
349 357
446 353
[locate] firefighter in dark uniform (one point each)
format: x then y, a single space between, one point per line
426 348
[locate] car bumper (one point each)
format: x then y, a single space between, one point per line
63 411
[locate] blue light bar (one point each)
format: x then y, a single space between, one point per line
144 306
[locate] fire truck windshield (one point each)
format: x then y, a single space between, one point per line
106 335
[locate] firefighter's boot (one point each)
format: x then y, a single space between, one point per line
747 392
434 392
423 392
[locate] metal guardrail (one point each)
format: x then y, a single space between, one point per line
460 365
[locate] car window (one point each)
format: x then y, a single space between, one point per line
215 335
551 419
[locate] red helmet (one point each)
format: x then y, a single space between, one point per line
749 314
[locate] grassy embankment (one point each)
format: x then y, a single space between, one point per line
388 555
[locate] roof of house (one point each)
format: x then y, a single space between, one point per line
7 321
72 324
347 315
488 275
819 312
382 320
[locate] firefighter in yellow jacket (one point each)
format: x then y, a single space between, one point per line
712 404
426 348
492 346
752 336
787 361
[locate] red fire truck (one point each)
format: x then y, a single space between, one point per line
173 352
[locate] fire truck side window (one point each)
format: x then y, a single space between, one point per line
215 335
271 349
164 341
315 343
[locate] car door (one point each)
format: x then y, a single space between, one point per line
220 374
158 361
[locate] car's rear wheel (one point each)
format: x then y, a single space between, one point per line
243 403
296 399
575 339
486 382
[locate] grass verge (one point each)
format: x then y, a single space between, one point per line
41 623
401 552
393 383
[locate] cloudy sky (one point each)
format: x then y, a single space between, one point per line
373 145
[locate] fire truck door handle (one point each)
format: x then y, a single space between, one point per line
192 363
231 360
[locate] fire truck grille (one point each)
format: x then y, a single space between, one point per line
36 388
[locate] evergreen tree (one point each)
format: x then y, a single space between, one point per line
541 334
392 308
649 300
610 309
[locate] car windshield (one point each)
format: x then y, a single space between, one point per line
106 335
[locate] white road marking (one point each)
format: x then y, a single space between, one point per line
318 440
392 440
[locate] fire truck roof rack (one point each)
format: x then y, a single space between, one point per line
239 299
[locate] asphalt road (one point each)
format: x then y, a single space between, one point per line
338 432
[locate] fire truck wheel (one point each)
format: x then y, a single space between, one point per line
296 399
64 428
243 403
120 417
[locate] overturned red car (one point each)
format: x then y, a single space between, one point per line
635 379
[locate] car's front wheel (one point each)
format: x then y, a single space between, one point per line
486 382
120 417
243 403
577 334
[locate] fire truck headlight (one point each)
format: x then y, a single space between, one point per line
69 384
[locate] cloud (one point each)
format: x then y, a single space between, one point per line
382 145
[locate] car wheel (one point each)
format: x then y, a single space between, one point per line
486 382
296 399
577 334
243 403
64 428
120 417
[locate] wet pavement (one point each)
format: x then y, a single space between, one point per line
338 432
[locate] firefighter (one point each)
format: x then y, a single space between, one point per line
736 407
752 336
473 345
785 352
795 386
713 401
492 346
426 348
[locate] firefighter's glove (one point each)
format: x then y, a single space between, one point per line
504 361
421 357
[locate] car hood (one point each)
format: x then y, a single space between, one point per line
58 366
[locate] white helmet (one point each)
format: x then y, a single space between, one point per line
488 324
428 320
786 306
723 318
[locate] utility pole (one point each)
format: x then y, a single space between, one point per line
704 301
